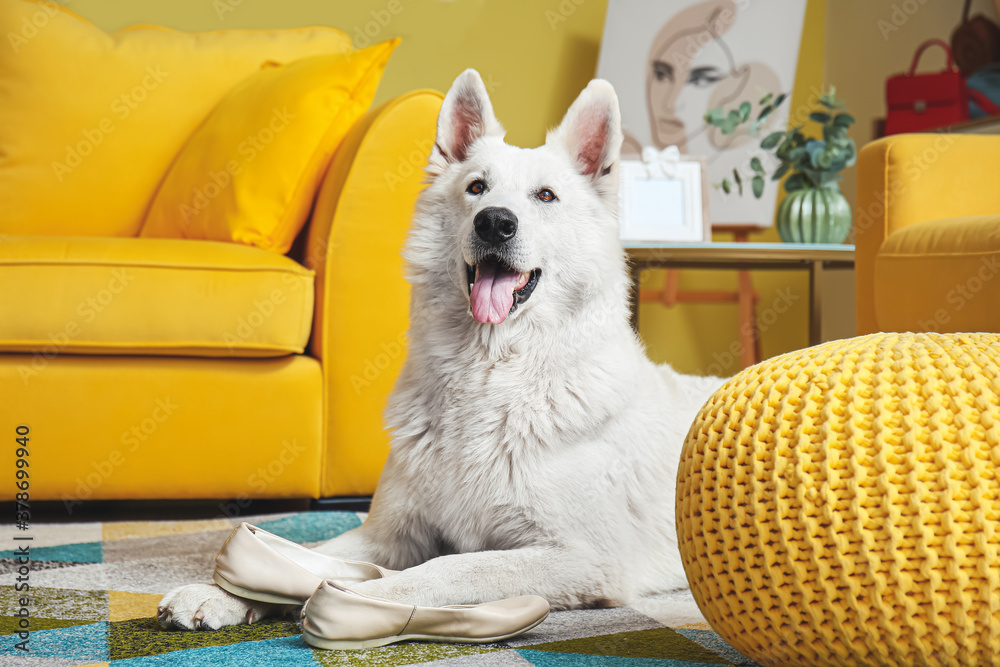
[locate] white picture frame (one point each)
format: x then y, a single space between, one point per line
656 207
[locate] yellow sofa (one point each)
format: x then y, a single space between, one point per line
927 234
171 368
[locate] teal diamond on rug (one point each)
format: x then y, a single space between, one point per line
312 527
80 642
85 552
542 659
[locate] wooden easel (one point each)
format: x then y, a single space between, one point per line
744 297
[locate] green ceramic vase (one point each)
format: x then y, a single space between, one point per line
814 215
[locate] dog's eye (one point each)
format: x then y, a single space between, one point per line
546 195
476 187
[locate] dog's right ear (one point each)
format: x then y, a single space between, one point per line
466 115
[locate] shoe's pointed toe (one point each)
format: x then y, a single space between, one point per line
259 565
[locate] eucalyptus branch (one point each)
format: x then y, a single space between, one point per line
812 163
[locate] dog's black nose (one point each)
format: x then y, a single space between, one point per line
495 225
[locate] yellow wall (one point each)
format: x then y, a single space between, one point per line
535 56
867 42
535 65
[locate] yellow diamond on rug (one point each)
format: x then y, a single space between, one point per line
692 626
132 530
123 606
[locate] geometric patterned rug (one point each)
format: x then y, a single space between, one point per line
94 588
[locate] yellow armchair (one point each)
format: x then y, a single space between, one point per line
793 516
927 234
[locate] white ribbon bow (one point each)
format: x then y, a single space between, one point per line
661 164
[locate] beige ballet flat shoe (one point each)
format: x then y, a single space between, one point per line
338 618
259 565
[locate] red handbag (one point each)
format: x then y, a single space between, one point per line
918 102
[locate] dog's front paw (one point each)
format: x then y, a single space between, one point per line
208 607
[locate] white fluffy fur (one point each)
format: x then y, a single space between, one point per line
539 455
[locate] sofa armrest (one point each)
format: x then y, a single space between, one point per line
909 178
354 244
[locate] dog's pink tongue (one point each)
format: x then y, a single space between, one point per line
493 293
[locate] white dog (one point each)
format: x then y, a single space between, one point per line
535 446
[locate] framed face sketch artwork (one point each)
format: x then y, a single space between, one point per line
670 62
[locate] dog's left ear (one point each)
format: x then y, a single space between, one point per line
591 132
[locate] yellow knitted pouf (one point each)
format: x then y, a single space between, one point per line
840 505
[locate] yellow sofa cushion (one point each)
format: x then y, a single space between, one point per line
940 275
149 296
165 427
249 174
90 122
